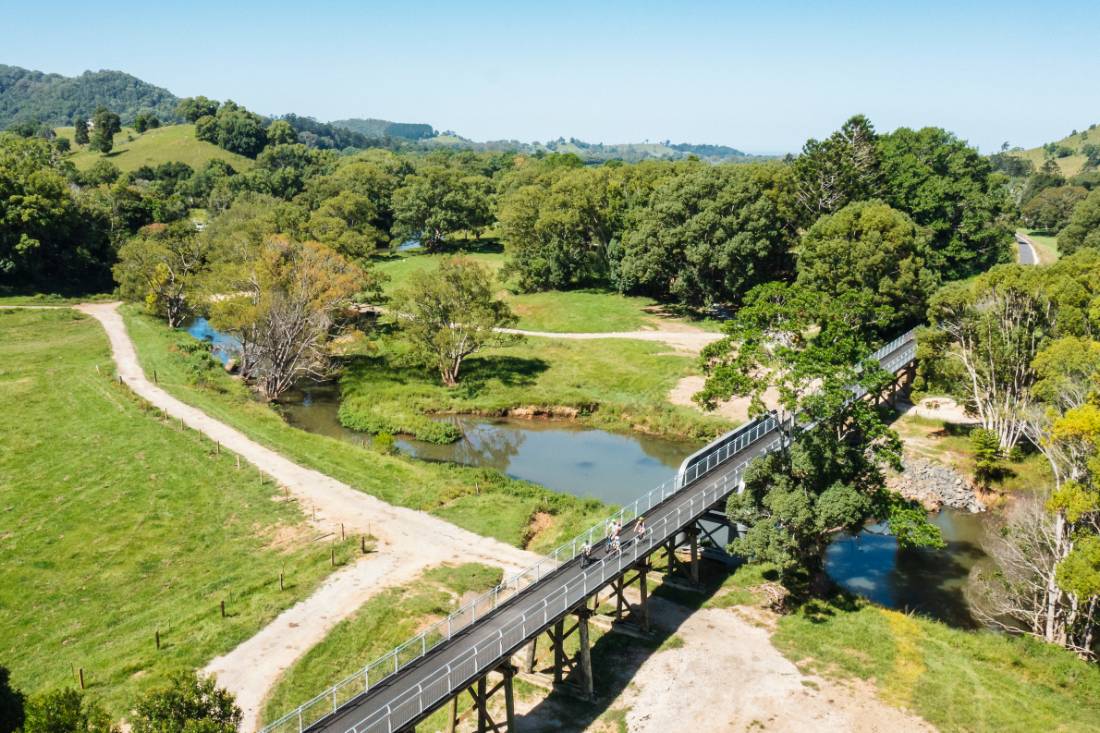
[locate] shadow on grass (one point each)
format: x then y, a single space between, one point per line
617 657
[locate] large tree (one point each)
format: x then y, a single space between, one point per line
160 268
947 187
990 329
1083 229
66 711
285 307
439 201
448 314
105 125
707 236
187 703
843 168
807 347
871 247
1052 208
192 108
12 704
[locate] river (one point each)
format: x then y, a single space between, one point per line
617 468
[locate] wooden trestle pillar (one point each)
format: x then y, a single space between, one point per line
619 586
576 667
482 693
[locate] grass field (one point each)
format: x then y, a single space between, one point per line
381 624
114 525
1047 245
957 680
583 310
153 147
615 384
481 500
1070 165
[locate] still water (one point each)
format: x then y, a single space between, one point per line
618 468
559 455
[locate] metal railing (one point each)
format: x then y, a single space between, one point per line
374 673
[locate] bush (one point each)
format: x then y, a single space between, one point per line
11 704
66 711
384 443
187 703
987 456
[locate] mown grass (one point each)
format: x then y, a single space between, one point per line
381 624
1047 245
957 680
1070 165
592 310
165 144
114 525
480 500
614 384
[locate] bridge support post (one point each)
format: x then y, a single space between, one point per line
557 639
693 535
643 588
529 658
585 654
482 693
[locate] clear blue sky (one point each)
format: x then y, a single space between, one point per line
761 76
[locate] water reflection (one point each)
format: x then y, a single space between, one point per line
223 346
931 582
559 455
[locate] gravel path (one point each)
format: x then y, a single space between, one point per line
408 541
691 341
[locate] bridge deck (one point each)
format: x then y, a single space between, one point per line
423 685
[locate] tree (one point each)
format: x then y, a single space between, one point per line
233 128
557 235
991 328
832 173
66 711
1083 229
450 313
188 703
80 131
439 201
872 247
707 236
287 306
105 125
948 188
827 479
280 132
192 108
348 222
12 703
1052 207
159 268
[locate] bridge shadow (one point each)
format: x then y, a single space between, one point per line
618 655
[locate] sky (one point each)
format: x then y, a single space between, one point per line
759 76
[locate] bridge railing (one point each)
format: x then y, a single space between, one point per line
396 659
419 646
481 657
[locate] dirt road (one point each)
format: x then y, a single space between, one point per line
409 541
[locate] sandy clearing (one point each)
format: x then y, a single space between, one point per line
727 676
736 409
940 408
409 541
685 341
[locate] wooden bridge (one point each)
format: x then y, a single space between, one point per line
470 651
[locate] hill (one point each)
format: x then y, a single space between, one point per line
599 152
1068 152
164 144
53 99
374 128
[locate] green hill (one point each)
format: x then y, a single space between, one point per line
1070 164
599 152
374 128
164 144
53 99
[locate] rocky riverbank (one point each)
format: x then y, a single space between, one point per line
935 485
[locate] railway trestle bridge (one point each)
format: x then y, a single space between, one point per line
471 651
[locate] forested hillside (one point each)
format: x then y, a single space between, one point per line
384 128
53 99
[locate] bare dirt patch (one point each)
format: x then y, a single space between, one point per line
736 409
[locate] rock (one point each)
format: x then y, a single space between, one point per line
934 486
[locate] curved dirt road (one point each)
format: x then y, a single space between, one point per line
409 541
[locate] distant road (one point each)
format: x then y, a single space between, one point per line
1027 254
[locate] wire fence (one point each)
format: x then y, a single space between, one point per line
473 660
